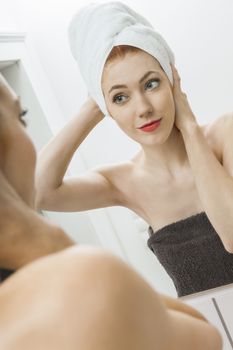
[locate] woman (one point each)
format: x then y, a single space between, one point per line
74 298
180 182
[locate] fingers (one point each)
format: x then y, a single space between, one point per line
176 77
177 81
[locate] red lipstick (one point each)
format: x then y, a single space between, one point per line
149 127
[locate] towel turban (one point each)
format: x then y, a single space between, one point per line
95 29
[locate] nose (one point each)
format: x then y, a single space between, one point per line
143 106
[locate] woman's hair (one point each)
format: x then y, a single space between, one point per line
120 51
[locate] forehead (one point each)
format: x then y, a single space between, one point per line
132 67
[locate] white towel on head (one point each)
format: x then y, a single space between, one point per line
98 27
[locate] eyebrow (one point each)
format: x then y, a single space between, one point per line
121 86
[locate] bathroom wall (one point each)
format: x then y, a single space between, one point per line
198 32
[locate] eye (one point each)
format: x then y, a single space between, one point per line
119 99
152 84
21 117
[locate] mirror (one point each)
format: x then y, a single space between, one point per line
204 59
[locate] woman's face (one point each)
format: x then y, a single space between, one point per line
137 93
17 153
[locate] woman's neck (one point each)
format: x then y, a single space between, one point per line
170 157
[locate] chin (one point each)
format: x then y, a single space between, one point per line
154 142
155 139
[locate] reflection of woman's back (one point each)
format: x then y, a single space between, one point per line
128 72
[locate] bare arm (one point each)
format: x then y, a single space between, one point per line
192 333
89 191
189 328
214 183
92 190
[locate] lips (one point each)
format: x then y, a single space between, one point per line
150 126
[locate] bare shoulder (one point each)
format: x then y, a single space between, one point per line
113 170
219 127
119 176
218 132
116 174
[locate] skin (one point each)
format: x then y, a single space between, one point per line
139 103
166 181
12 135
41 308
25 235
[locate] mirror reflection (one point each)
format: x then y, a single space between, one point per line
144 149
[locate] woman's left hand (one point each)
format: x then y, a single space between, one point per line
184 117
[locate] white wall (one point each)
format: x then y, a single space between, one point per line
7 20
199 32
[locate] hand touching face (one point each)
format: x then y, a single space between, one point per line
184 116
